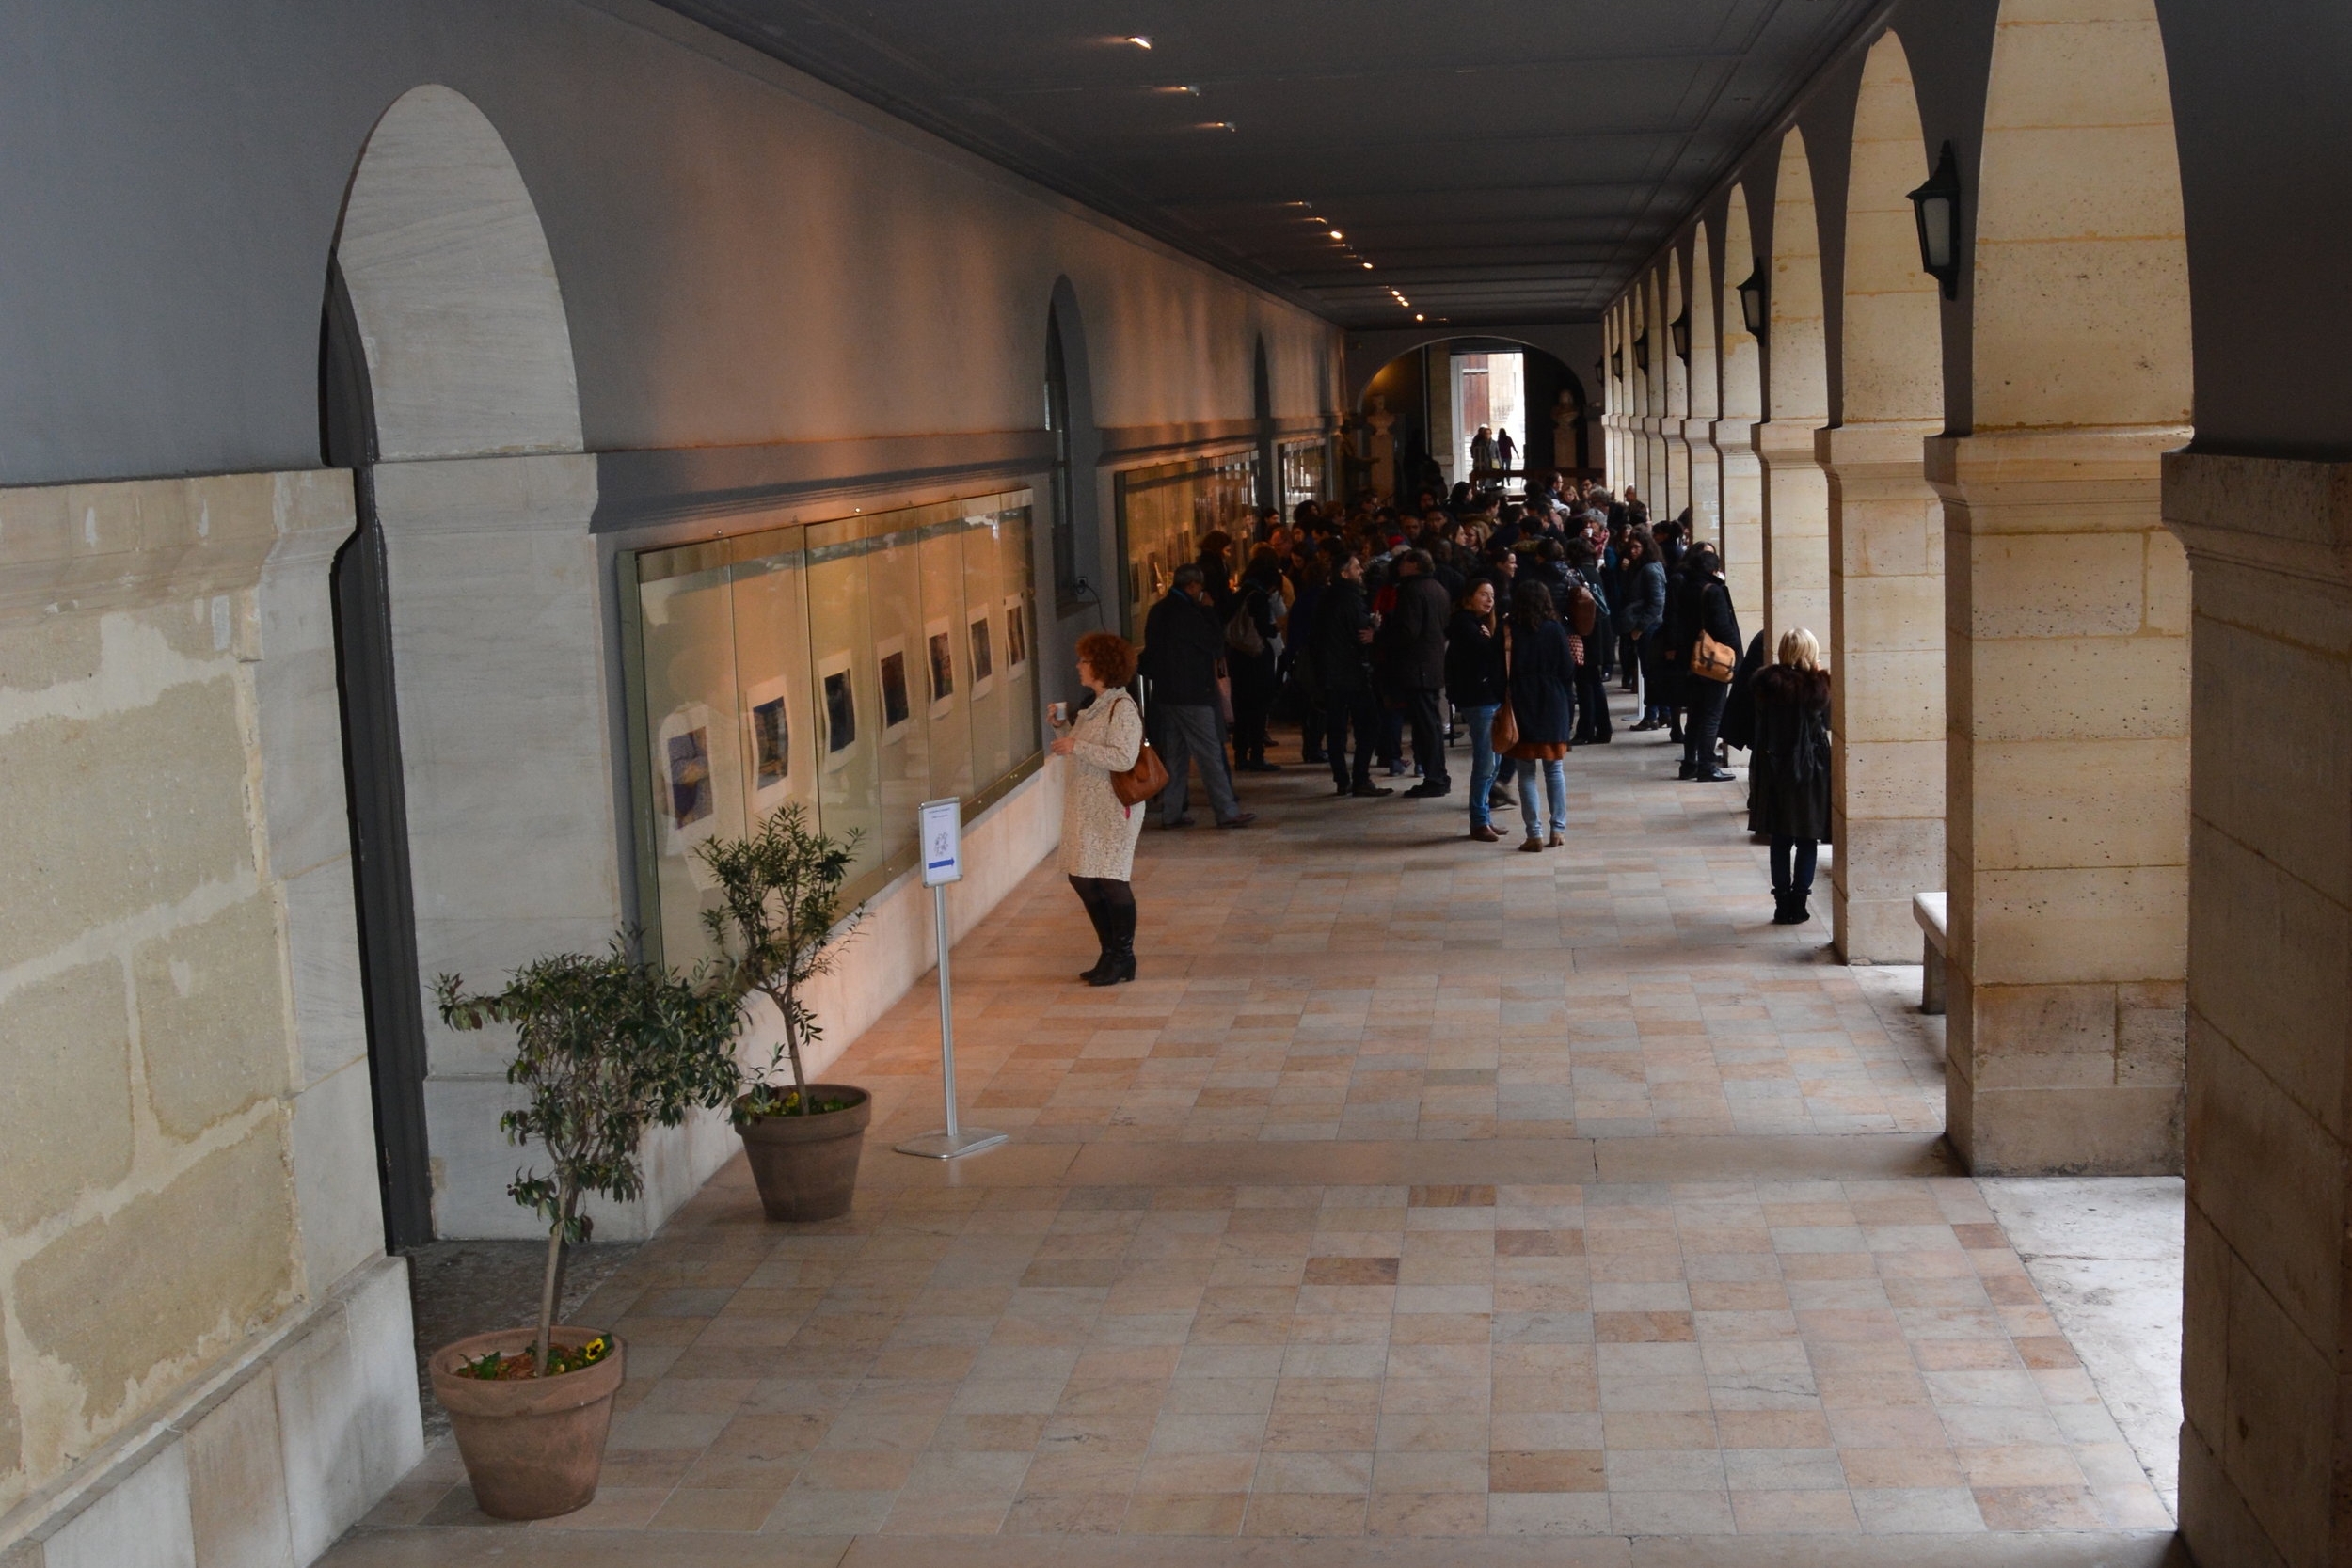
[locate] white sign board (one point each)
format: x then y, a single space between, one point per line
940 833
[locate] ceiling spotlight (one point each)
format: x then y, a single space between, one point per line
1337 235
1298 203
1187 91
1218 125
1138 40
1420 317
1367 266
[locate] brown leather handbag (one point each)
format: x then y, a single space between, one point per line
1147 777
1712 661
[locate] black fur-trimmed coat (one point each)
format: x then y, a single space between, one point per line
1789 758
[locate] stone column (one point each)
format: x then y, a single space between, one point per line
1675 494
2067 775
1886 644
2266 1449
1705 497
1796 530
1744 517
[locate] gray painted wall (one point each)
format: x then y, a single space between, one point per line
746 256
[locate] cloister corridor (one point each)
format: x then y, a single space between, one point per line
1423 1202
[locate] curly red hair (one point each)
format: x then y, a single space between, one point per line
1111 657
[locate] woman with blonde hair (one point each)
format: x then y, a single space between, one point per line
1097 830
1790 769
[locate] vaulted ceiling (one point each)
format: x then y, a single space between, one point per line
1495 161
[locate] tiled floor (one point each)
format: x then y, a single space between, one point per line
1420 1192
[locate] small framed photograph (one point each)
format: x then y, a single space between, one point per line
898 704
771 735
983 655
939 649
840 696
1016 632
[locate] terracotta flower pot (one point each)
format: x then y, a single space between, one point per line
534 1447
806 1167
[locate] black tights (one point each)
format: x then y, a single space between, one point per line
1111 905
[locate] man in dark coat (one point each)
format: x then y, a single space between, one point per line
1184 645
1343 632
1412 643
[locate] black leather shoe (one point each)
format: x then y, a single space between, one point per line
1428 792
1713 774
1371 792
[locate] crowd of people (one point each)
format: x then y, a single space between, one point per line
1387 633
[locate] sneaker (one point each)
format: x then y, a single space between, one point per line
1371 792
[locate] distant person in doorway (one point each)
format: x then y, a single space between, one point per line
1482 453
1183 652
1792 769
1098 831
1506 451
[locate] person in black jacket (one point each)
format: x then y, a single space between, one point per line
1475 679
1344 627
1641 616
1792 769
1257 598
1588 615
1543 705
1706 608
1184 645
1411 641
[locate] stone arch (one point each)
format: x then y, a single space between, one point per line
1796 368
1741 373
455 290
2080 303
2068 850
1885 536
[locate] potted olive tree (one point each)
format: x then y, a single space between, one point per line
779 925
605 1047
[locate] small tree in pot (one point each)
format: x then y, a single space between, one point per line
606 1047
778 926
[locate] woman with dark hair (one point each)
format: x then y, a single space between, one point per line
1640 616
1708 612
1097 830
1792 769
1216 562
1474 677
1542 687
1260 601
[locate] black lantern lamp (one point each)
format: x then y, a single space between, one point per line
1936 204
1679 330
1616 363
1752 299
1641 353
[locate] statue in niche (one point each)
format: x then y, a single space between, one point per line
1382 424
1566 416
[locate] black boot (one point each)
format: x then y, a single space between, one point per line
1100 918
1119 957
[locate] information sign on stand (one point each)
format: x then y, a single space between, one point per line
939 834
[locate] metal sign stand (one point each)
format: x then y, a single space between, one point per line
940 837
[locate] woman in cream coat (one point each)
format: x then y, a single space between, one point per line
1098 834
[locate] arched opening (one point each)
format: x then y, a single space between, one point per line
1077 541
474 674
1885 537
1419 415
1742 409
1796 493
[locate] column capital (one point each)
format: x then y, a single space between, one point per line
2031 460
1784 443
2280 515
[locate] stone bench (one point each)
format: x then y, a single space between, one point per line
1932 910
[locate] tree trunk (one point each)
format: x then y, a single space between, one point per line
551 1283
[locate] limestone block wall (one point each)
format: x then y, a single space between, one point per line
187 1128
2067 641
2265 1459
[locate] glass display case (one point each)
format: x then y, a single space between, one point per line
1164 512
858 666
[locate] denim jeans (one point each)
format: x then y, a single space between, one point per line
1555 782
1798 878
1485 763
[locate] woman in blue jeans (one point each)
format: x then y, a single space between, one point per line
1473 684
1543 701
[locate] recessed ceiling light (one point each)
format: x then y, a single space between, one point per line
1337 235
1138 40
1189 91
1218 125
1367 266
1420 317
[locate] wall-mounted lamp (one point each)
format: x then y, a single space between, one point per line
1641 353
1752 299
1616 363
1936 205
1679 330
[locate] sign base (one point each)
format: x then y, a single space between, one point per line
944 1145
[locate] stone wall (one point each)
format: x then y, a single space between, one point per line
188 1124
